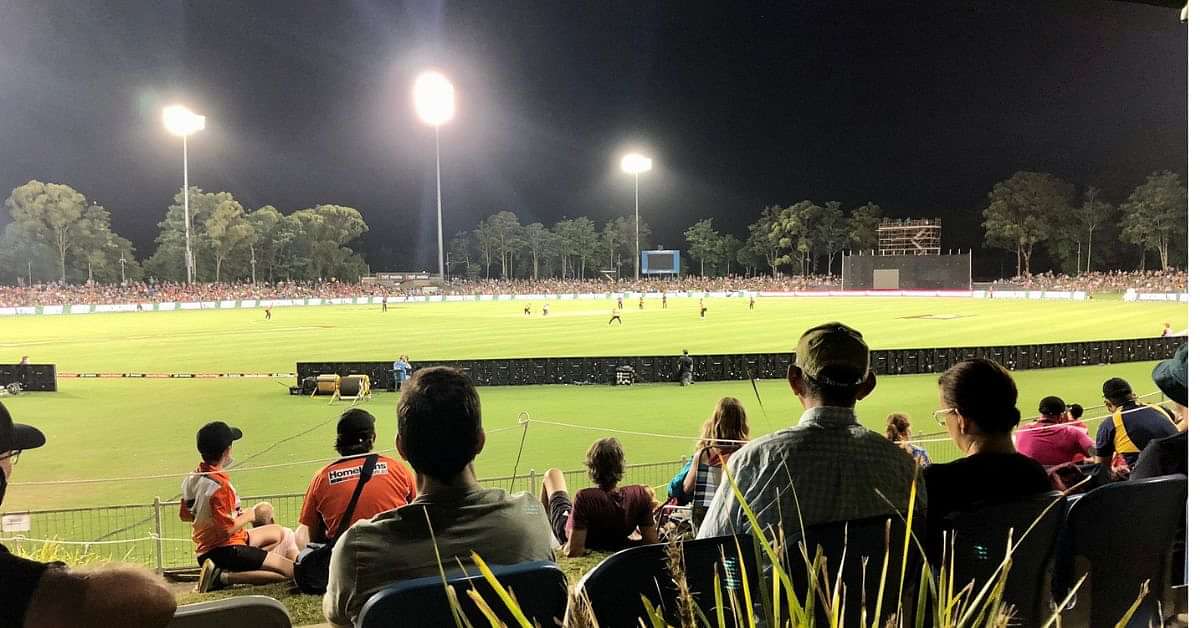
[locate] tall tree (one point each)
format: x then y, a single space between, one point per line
1021 211
265 223
536 239
791 232
485 240
52 213
612 236
459 252
761 239
704 243
829 231
504 230
1155 214
1092 214
863 227
228 230
730 246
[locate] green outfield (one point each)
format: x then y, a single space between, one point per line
242 340
120 428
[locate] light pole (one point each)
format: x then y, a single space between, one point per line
635 164
433 95
253 275
122 260
180 121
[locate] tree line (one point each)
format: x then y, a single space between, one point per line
1036 210
56 234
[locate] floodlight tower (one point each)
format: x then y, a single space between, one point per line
635 164
433 95
180 120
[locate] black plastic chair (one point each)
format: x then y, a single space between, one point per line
1120 535
980 540
615 587
857 540
540 588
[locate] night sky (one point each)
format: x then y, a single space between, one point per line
918 106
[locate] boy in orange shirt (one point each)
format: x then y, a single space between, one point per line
227 552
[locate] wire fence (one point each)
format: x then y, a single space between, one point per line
152 534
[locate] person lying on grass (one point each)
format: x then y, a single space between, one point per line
604 516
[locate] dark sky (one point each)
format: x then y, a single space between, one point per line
918 106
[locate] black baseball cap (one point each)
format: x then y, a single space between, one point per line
1171 376
1052 406
1116 389
356 421
216 437
18 437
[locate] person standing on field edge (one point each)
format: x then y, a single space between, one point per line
684 369
664 301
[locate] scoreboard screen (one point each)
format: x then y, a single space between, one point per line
660 262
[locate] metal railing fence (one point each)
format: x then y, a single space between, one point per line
152 534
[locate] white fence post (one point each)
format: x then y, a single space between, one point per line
158 533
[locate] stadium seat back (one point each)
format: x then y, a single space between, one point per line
1121 535
856 540
615 587
540 589
248 611
981 537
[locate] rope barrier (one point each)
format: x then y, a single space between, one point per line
596 428
152 537
168 476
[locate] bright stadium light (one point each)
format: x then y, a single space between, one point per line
180 120
433 95
635 164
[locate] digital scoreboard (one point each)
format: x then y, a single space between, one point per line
660 262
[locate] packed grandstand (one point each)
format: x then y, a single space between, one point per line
134 292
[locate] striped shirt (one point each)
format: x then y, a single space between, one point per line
826 468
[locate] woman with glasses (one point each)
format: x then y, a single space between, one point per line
978 406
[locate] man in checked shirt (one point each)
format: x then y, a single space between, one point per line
828 467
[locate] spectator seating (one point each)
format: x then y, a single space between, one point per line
981 540
1120 535
615 587
250 611
540 589
868 539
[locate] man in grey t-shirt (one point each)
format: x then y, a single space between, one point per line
440 433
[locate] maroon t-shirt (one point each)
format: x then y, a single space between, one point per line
610 517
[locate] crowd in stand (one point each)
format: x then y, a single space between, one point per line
380 522
149 292
167 292
762 283
1159 281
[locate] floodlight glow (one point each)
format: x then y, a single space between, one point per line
433 95
634 163
180 120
